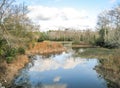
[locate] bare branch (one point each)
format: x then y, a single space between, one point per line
2 3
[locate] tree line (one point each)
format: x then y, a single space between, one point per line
107 32
76 36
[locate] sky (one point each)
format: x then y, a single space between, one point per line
59 14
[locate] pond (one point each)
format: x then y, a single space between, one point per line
64 70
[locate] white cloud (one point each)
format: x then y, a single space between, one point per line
51 17
57 79
112 1
55 86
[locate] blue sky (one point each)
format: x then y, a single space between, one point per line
77 11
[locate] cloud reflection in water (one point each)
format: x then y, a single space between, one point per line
54 63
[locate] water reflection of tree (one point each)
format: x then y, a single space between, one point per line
110 70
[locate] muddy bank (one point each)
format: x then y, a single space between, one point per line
9 71
12 69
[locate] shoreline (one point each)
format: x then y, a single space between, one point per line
12 69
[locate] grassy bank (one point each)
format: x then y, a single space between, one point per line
100 53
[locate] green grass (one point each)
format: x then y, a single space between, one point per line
97 53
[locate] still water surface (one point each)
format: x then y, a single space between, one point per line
60 71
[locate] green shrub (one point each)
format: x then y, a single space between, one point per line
76 42
1 52
43 36
2 46
21 50
40 40
9 59
10 54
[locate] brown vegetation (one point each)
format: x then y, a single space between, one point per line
11 70
110 70
45 47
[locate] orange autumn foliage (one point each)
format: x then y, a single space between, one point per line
45 47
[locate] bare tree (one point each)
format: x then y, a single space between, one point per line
4 12
5 8
109 26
